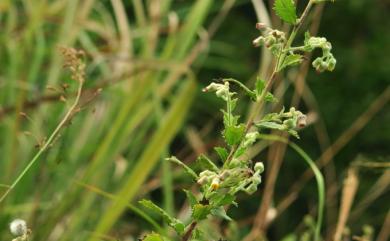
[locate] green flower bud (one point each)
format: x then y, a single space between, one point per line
258 41
289 123
256 179
259 167
332 64
251 189
269 41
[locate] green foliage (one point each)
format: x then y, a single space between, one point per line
153 237
219 185
290 60
119 146
200 211
233 134
286 10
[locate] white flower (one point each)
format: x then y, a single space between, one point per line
222 90
18 227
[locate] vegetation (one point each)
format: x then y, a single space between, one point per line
78 151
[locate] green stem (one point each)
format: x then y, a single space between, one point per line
294 33
246 89
47 143
318 175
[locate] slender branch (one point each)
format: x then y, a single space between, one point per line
52 137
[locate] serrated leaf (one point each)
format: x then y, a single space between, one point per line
286 10
292 59
176 224
191 197
222 153
220 212
260 85
200 211
234 134
184 166
206 164
222 199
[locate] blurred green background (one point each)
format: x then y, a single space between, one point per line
151 59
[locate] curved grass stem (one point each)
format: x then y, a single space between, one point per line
49 141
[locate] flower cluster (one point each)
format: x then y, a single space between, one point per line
272 39
284 121
239 177
327 60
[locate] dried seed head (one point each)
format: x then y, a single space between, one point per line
73 61
18 227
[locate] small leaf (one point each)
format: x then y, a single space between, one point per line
220 212
206 164
153 237
222 199
234 134
293 133
292 59
176 224
286 10
271 125
200 211
222 153
260 85
191 197
184 166
270 98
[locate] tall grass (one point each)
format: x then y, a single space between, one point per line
141 60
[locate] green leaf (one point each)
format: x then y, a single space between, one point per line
270 98
234 134
206 164
260 85
286 10
200 211
184 166
271 125
222 153
153 237
222 199
191 198
292 59
220 212
176 224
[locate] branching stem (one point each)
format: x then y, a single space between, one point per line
52 137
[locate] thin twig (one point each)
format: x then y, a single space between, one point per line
47 144
351 184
